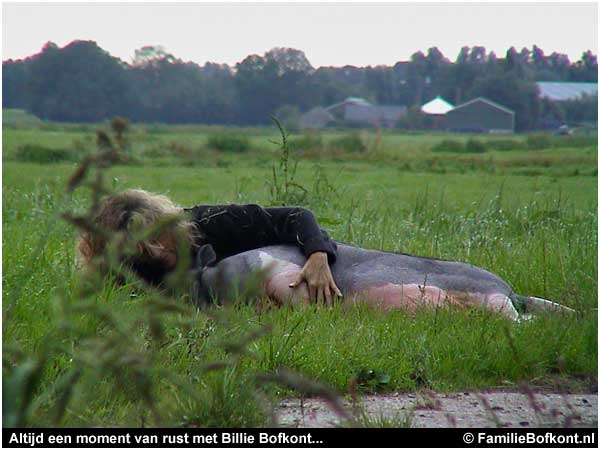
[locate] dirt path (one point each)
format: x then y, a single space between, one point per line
468 409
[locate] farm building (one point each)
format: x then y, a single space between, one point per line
561 91
481 115
315 118
437 107
355 111
374 115
436 110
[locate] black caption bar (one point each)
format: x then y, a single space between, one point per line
282 437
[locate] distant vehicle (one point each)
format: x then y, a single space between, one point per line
563 130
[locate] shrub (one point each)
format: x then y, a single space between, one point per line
19 118
289 117
350 143
310 141
155 151
227 142
504 145
180 149
474 146
43 155
575 141
538 141
449 145
119 125
414 119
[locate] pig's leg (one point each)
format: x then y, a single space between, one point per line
496 302
500 303
280 274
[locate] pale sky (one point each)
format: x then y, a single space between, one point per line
331 34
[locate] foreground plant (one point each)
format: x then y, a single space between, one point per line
110 345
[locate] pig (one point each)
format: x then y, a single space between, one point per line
385 280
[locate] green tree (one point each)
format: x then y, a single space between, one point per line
265 83
80 82
581 110
586 69
288 116
520 95
14 85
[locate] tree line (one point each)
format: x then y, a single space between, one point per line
81 82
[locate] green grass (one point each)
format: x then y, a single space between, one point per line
529 216
159 145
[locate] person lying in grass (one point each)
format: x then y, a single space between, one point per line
230 244
228 229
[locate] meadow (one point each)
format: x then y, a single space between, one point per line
523 207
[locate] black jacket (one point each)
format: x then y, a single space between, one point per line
232 229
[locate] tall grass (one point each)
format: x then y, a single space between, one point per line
108 354
228 142
43 155
350 143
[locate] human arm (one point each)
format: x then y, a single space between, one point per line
233 229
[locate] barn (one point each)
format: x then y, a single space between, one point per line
435 111
373 115
559 91
315 118
482 116
353 111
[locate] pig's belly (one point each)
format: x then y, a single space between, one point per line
388 296
411 297
280 274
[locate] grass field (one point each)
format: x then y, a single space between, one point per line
122 356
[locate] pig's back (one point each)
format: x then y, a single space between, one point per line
356 269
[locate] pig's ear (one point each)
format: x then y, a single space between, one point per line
206 257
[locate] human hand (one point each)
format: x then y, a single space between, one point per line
318 277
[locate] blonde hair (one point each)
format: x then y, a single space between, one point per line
134 210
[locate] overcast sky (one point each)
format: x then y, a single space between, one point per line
331 34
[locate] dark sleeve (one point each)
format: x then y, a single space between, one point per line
232 229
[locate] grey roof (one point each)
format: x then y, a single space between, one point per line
559 91
374 114
315 118
350 101
357 101
354 109
484 100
